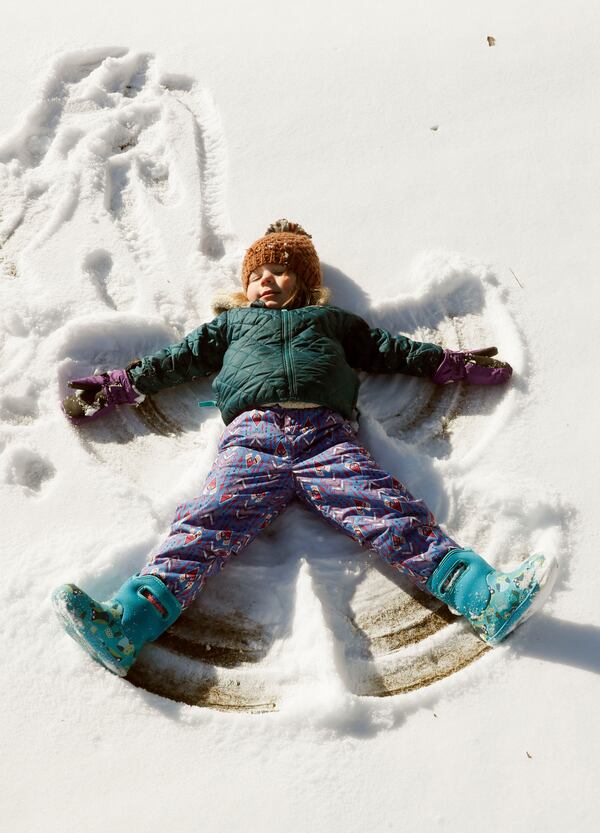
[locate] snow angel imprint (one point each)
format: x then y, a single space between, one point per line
286 384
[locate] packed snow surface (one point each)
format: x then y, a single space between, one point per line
309 685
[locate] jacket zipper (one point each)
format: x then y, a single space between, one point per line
287 354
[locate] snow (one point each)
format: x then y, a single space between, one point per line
450 188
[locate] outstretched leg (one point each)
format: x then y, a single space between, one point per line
347 487
250 483
345 484
248 486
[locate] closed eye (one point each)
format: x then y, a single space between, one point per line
255 276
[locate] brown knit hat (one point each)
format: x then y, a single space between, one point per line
288 244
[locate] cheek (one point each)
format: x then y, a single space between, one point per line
288 284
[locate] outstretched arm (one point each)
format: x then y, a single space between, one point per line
199 354
378 351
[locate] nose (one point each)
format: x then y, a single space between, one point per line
266 276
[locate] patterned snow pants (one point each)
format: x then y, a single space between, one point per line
266 458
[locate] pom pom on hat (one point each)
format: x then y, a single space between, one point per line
287 244
286 225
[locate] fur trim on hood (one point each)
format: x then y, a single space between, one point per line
224 301
235 300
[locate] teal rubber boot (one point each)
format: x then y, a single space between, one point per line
494 603
113 632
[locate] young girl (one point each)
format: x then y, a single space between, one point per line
287 388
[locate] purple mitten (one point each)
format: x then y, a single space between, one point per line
98 395
474 366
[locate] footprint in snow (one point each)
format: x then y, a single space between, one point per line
21 466
98 265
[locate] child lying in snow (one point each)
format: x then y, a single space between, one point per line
287 388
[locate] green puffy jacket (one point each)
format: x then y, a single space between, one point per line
310 354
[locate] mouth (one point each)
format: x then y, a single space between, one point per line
270 293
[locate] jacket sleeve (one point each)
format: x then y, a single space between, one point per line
378 351
199 354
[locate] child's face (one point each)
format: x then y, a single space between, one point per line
272 283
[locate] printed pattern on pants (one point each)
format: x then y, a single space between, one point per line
266 458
